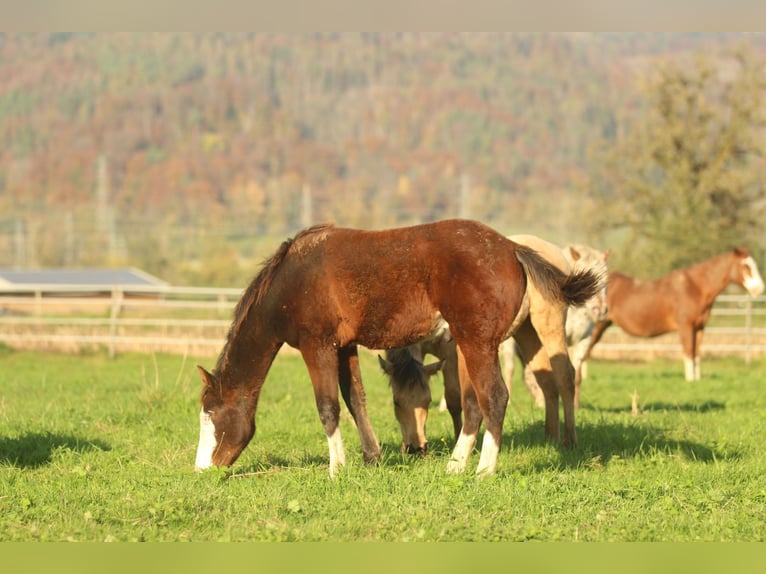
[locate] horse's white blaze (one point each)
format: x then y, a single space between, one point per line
337 454
490 448
207 442
463 448
754 283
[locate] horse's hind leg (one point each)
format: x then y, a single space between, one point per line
536 360
484 396
549 324
350 382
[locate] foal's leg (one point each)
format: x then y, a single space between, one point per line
577 355
549 324
472 418
482 368
322 364
350 382
530 380
452 393
508 351
536 359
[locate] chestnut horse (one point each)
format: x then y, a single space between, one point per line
330 289
542 342
680 301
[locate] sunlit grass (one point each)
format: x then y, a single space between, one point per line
99 449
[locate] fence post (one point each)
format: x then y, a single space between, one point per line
117 296
748 330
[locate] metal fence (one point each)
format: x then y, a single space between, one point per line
195 320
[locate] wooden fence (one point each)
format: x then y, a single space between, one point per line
195 320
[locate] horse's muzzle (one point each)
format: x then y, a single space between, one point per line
418 450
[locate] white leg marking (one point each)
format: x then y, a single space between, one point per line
463 448
207 442
489 450
697 368
337 454
689 368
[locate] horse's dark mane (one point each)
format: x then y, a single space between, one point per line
259 286
407 369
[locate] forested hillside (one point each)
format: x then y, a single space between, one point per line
191 154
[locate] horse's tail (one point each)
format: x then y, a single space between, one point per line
554 284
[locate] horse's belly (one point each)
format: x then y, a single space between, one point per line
645 325
397 330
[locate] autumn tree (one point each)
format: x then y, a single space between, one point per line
685 180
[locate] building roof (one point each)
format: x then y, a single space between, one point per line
102 278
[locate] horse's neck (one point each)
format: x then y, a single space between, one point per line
247 355
711 276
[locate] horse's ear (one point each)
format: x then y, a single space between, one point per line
575 254
386 365
741 251
433 368
207 378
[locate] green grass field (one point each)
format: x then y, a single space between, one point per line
93 449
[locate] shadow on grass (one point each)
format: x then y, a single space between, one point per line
36 449
702 407
272 464
601 443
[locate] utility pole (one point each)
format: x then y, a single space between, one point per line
19 245
464 207
307 215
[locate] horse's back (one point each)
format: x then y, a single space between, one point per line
386 288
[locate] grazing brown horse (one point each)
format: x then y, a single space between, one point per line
540 336
330 289
680 301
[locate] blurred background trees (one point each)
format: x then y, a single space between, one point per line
686 181
193 155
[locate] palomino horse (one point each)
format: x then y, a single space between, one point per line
680 301
540 336
330 289
580 321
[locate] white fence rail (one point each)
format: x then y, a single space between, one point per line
195 320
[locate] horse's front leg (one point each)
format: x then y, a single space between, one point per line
691 339
322 364
452 392
350 382
577 355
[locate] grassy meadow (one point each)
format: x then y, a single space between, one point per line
98 449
